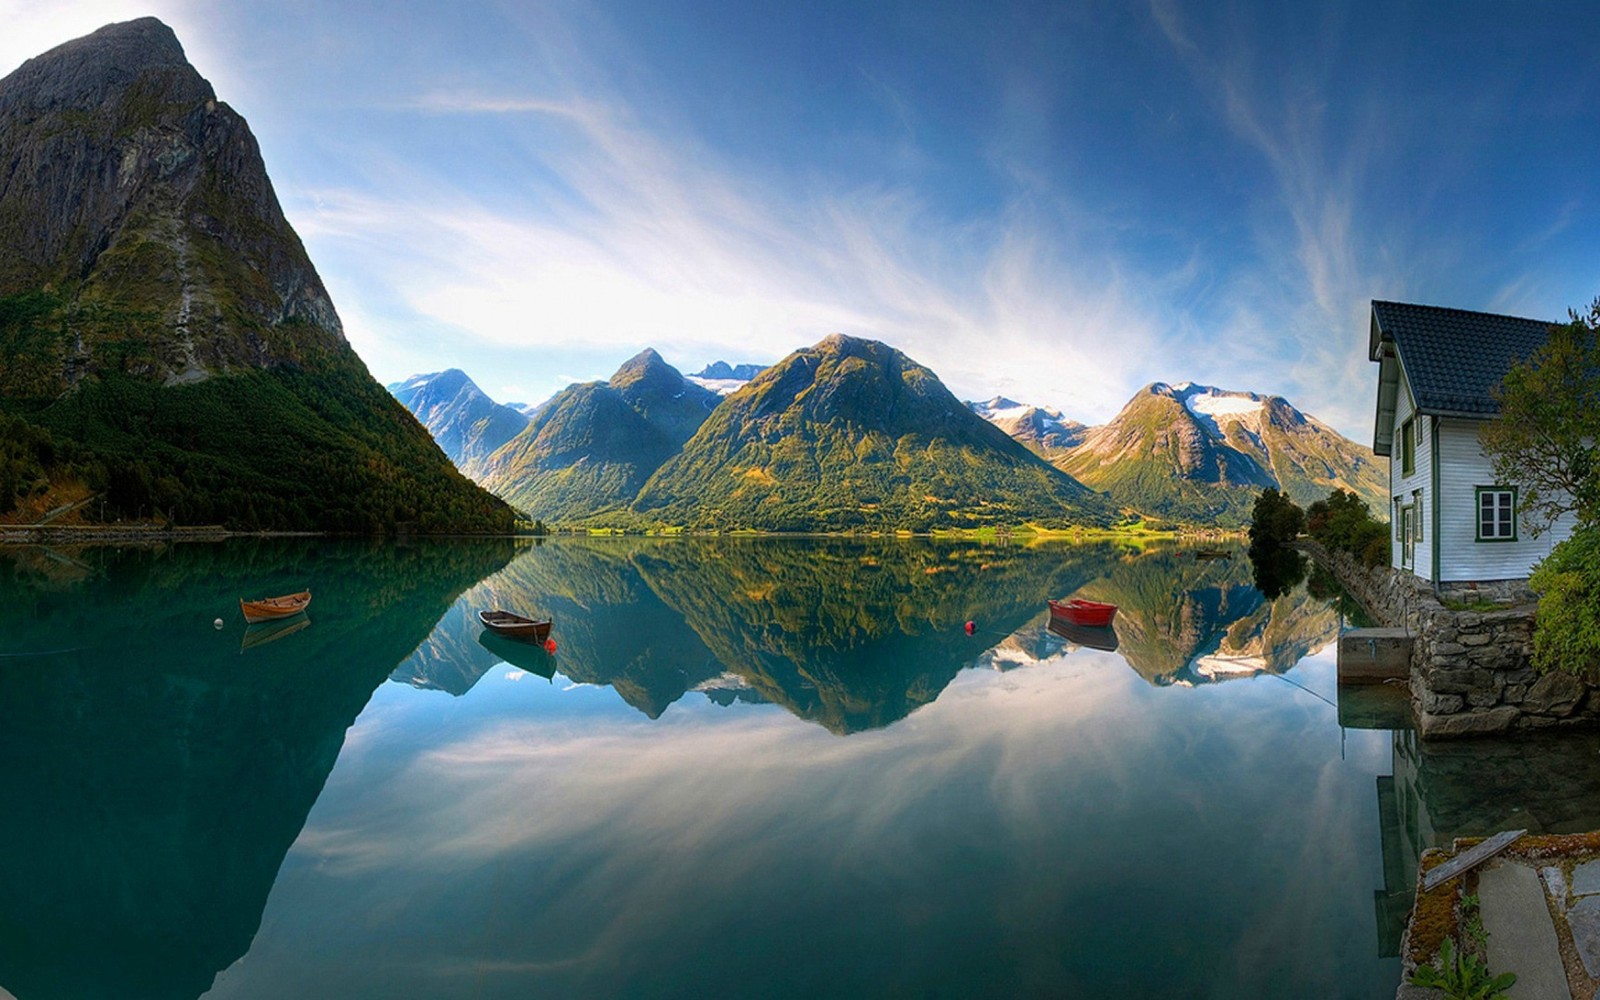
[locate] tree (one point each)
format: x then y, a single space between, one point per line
1274 520
1546 436
1343 521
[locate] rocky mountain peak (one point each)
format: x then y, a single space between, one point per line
644 365
86 71
126 185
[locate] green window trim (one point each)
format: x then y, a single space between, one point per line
1408 447
1502 511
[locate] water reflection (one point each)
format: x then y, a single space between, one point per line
856 634
155 771
153 774
1438 791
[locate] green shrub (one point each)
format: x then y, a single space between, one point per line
1566 633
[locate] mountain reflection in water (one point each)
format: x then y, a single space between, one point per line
856 634
189 811
153 773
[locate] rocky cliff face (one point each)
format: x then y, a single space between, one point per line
165 343
127 188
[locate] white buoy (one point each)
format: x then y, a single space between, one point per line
217 623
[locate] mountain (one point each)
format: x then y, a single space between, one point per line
464 421
721 369
593 445
723 378
164 339
1195 453
853 434
1041 430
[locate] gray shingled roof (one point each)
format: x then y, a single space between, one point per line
1454 358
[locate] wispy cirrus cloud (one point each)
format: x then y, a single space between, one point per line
657 242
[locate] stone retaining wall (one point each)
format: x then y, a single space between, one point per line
1471 671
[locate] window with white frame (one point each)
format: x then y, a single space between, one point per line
1497 514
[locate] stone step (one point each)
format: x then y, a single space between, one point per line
1522 937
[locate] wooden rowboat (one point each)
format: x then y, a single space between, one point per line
272 608
1080 612
515 626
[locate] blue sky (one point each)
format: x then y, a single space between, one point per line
1057 202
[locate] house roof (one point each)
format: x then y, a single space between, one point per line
1452 358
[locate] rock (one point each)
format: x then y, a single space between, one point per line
1447 648
1483 699
1584 919
1442 704
1474 639
1586 879
1494 720
1554 694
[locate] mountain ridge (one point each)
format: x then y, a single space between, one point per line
594 444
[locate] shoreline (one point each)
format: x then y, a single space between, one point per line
45 534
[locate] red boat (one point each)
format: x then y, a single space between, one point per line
1080 612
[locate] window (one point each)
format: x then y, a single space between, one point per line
1397 535
1408 447
1497 514
1416 517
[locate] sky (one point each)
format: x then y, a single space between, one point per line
1057 202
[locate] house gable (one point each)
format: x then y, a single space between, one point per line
1438 370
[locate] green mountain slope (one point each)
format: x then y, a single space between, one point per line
164 339
590 449
1201 455
852 433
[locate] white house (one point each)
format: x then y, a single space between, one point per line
1451 521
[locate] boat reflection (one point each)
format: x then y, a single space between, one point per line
265 632
529 657
1102 637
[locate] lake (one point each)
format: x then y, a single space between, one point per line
751 767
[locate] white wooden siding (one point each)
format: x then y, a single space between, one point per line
1463 468
1415 488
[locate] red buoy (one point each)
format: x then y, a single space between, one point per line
549 645
972 627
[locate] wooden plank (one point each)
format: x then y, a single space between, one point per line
1470 858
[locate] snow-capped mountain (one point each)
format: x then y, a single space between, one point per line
1197 453
723 378
1041 428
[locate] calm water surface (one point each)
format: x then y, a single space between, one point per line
751 768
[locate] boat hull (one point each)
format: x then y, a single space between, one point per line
270 609
515 626
1091 614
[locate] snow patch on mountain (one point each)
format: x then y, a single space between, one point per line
720 386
